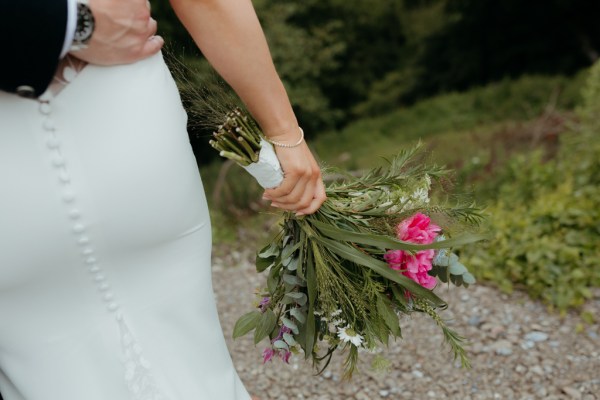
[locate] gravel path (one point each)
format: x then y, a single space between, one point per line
518 350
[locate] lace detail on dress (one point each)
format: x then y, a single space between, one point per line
139 379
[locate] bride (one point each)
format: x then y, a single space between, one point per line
105 285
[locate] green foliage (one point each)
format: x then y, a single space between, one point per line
346 59
546 218
478 108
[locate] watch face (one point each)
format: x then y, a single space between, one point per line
85 24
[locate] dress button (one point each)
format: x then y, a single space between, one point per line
53 143
103 287
95 269
87 252
64 177
25 91
108 296
83 240
78 228
49 124
58 161
113 307
68 197
91 260
45 108
74 213
99 277
69 74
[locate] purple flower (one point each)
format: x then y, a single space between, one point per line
264 303
282 330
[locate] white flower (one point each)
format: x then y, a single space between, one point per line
336 313
348 334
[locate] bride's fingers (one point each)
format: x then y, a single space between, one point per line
318 200
301 197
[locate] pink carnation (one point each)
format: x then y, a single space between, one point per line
416 229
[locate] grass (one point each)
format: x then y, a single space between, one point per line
453 115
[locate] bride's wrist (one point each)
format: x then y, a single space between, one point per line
289 144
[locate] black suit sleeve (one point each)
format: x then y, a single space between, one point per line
32 33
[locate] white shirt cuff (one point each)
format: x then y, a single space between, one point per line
71 26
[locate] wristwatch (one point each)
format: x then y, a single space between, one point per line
85 26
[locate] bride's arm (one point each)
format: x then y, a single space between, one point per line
229 35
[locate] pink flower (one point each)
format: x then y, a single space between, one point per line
416 229
285 356
268 354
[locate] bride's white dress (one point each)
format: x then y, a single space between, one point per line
105 280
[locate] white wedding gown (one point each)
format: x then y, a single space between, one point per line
105 243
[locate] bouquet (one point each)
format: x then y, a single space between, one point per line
340 279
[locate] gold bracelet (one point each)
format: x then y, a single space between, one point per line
279 144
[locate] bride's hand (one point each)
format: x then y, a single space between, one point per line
302 189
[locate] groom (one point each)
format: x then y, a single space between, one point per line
36 34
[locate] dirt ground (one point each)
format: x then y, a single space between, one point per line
518 350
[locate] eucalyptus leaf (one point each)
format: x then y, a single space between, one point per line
299 297
263 263
246 323
298 314
280 344
270 250
265 325
468 278
457 269
293 264
292 279
289 339
289 250
290 324
273 278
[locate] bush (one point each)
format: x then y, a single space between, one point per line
546 219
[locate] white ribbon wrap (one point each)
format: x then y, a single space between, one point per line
267 170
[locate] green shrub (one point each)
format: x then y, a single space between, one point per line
546 219
477 109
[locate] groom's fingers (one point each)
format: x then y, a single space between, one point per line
152 46
124 33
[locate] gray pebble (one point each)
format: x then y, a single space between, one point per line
536 336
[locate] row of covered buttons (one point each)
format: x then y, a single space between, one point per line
68 196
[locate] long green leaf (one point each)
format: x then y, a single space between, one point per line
309 327
386 242
352 254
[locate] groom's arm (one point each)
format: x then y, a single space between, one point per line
33 33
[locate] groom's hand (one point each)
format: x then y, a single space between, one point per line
124 33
